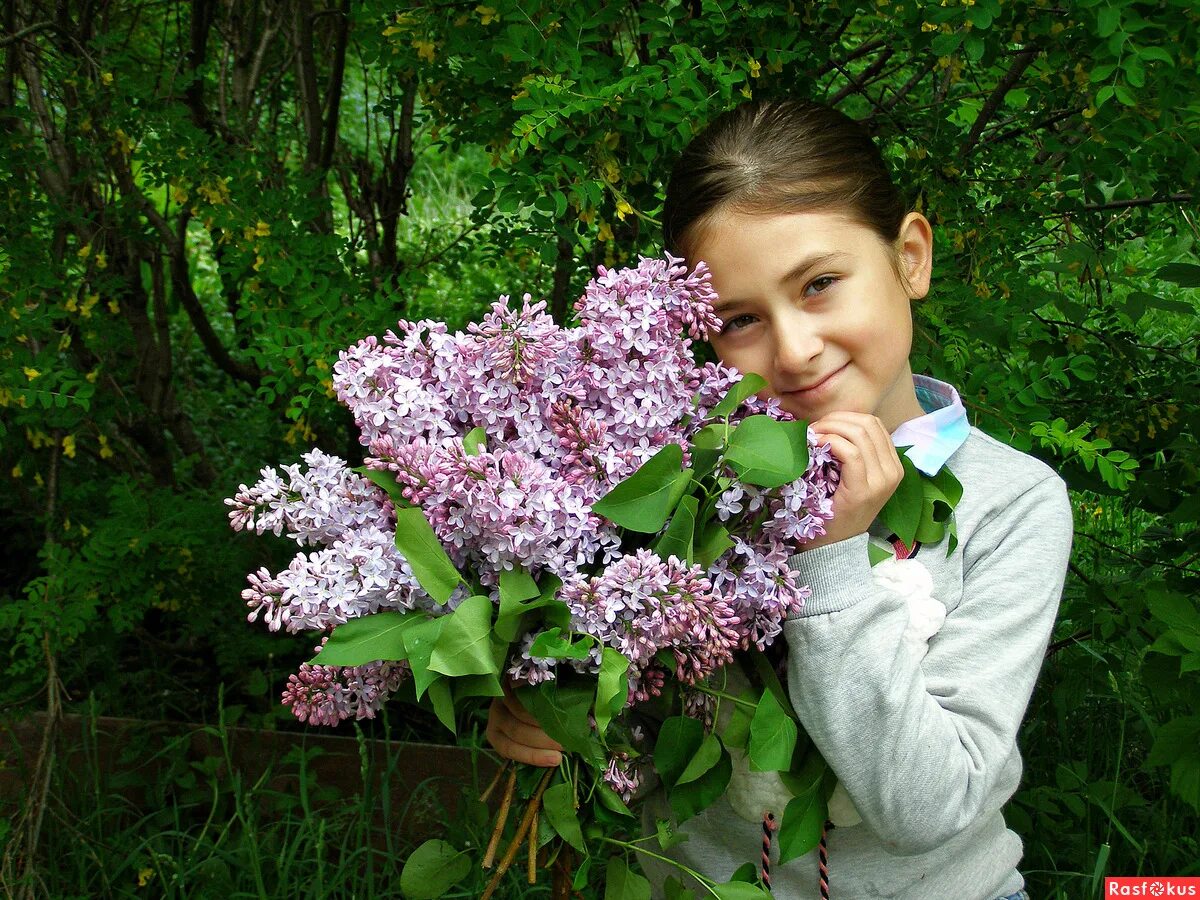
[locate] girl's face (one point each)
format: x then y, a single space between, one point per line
813 303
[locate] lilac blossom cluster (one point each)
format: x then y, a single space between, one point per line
566 414
325 695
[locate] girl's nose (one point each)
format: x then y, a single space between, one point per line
797 345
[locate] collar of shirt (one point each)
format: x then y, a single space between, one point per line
933 437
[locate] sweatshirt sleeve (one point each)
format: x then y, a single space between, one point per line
919 745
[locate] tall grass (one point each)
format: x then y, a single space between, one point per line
205 829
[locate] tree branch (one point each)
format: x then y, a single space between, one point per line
25 32
333 96
1140 201
1022 62
181 283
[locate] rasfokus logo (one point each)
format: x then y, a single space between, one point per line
1151 886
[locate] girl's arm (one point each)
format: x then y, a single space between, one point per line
919 745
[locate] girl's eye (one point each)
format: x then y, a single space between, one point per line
736 323
820 285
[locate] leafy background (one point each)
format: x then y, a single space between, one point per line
203 203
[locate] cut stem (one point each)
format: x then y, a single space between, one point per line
522 830
501 818
495 781
533 848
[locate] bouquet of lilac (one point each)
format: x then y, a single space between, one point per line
585 511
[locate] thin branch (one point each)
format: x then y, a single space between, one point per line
1149 563
1140 201
1022 62
25 32
333 94
858 84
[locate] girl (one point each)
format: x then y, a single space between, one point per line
815 260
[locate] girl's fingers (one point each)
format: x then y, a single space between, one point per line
515 740
871 438
515 733
514 707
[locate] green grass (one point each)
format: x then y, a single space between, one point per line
206 830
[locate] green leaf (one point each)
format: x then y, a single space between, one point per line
946 43
432 869
610 800
558 803
712 544
678 740
644 500
747 872
555 644
902 513
737 732
772 736
509 620
385 480
464 647
750 385
1177 744
443 703
474 441
1107 20
465 686
673 889
707 756
562 708
768 453
740 890
419 641
668 835
803 820
1183 274
368 638
612 687
416 540
622 883
516 587
676 540
877 554
694 796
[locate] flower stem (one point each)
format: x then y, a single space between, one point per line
724 695
706 883
523 829
501 818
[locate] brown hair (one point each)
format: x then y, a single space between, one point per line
779 156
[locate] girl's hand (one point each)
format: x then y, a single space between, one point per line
871 472
515 734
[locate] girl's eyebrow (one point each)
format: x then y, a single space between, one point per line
795 274
809 262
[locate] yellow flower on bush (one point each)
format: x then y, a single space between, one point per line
487 15
31 373
623 209
68 444
145 876
425 49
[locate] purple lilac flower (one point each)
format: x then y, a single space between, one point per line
622 775
326 695
317 506
567 414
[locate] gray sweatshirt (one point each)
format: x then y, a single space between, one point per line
923 743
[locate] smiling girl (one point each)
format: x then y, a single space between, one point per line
913 685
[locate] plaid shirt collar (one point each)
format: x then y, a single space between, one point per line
935 436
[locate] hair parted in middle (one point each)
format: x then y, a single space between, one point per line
780 156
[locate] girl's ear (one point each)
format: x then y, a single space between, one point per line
914 249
